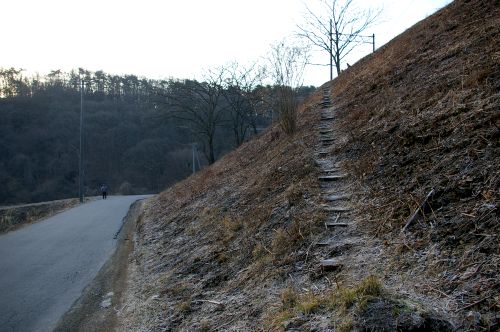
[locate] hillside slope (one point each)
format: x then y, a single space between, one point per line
239 245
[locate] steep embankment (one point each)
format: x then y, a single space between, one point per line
419 117
239 246
225 235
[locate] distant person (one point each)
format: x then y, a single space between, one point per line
104 191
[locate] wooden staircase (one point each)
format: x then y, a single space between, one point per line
333 184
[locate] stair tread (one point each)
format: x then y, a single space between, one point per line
330 263
336 224
330 170
337 209
336 197
331 177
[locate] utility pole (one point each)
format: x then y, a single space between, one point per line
195 155
80 168
194 167
331 51
373 42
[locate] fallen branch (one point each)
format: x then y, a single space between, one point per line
307 253
473 304
418 210
439 291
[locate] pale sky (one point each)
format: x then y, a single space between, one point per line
170 38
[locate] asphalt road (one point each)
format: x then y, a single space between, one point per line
44 267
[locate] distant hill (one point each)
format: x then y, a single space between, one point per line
138 133
239 246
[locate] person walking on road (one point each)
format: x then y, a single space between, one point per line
104 191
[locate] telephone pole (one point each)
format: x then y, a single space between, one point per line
194 166
81 171
196 158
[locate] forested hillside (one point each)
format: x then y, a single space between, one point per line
138 133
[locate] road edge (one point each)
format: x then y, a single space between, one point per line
88 312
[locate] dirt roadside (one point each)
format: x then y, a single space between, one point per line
96 309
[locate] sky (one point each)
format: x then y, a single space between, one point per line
171 38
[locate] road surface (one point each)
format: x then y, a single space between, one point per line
44 267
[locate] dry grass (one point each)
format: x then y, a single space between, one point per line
364 306
340 303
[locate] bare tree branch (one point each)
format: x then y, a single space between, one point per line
347 24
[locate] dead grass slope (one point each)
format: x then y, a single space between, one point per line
229 235
422 113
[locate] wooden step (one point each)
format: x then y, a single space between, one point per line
331 177
327 118
336 209
330 264
331 198
327 131
331 192
330 170
336 224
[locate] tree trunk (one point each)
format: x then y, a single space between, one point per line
337 59
211 154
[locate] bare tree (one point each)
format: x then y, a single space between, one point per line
337 28
287 64
197 103
240 83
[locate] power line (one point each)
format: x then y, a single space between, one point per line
349 35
